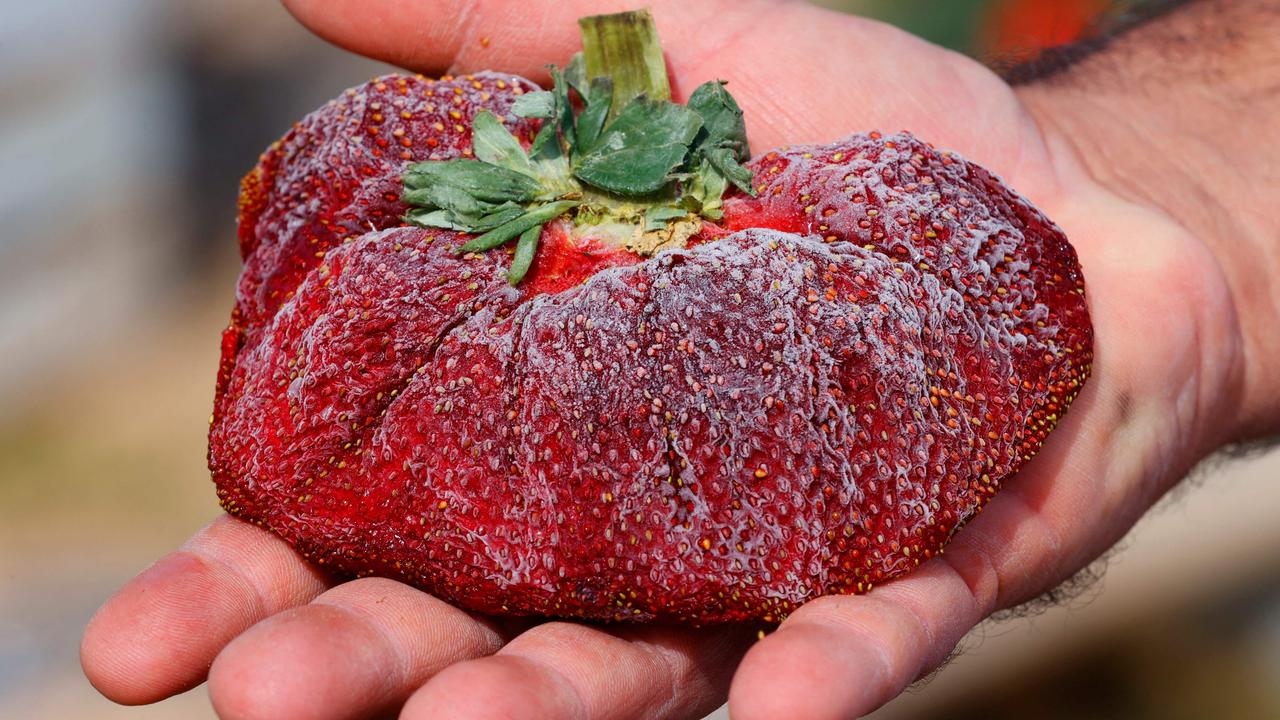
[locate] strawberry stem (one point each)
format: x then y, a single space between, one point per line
624 47
624 159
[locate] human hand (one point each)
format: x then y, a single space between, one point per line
277 638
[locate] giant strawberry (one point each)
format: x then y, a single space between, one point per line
570 352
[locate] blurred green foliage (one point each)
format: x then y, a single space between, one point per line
950 23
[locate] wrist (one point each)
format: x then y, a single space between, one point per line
1187 145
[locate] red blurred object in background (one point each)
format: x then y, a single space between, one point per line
1019 29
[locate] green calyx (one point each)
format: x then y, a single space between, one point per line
626 159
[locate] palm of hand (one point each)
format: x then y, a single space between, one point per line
288 643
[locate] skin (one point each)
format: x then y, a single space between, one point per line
1177 252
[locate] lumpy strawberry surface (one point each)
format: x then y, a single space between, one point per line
810 398
336 174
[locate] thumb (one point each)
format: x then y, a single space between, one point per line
457 36
800 73
740 41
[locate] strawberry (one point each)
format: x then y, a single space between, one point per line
694 386
336 175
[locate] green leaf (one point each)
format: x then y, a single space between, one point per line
450 198
575 73
591 121
500 215
442 219
727 165
559 122
722 123
637 152
480 180
450 220
505 232
413 181
703 191
546 146
537 104
494 144
714 187
526 247
723 140
656 218
564 111
466 195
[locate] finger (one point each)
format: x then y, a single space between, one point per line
435 36
826 75
356 651
563 670
158 634
844 656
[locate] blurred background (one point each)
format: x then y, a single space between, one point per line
124 128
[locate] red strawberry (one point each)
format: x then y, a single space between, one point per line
681 405
336 175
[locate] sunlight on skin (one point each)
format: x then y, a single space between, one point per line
1152 408
157 636
351 650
